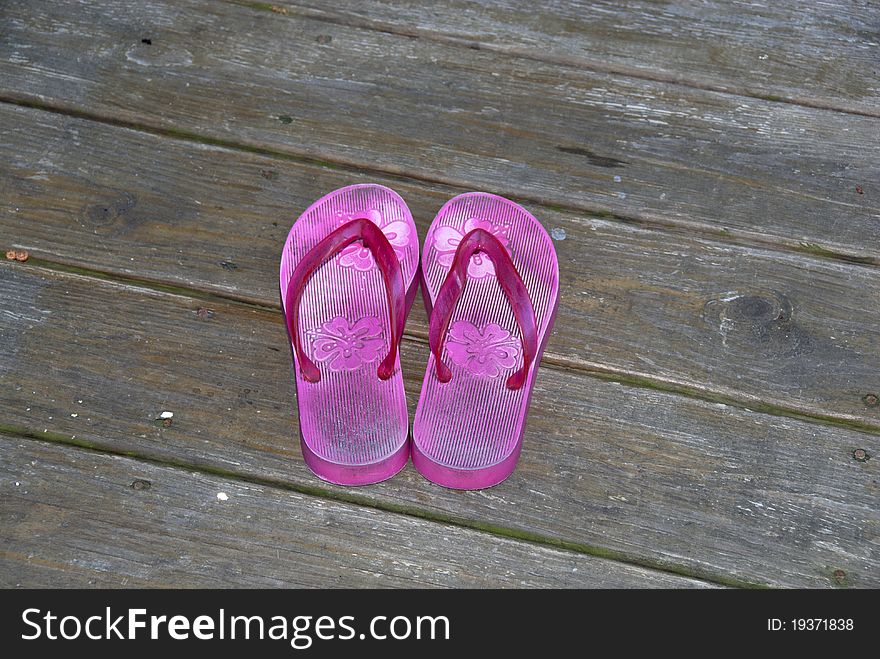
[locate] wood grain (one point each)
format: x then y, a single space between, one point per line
166 527
760 327
734 166
650 477
823 55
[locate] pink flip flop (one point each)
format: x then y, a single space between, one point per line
490 281
348 279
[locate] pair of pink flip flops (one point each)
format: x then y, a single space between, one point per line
349 274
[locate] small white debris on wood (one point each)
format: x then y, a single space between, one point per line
617 179
74 415
557 233
222 496
166 415
17 483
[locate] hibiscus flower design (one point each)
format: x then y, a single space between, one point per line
482 352
361 258
343 346
447 239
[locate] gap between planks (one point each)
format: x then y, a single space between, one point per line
740 238
598 371
383 506
545 57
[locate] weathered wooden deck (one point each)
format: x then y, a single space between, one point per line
707 412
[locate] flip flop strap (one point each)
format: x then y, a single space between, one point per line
360 229
480 240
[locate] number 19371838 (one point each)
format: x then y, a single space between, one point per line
810 624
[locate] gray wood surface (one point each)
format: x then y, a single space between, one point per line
631 473
767 329
750 169
822 54
713 219
76 518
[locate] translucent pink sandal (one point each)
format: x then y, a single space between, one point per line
490 281
348 279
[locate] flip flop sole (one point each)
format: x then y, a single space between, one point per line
468 432
353 426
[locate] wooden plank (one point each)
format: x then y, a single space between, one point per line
760 327
643 150
814 54
659 479
167 527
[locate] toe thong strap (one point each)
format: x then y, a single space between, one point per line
480 240
361 229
